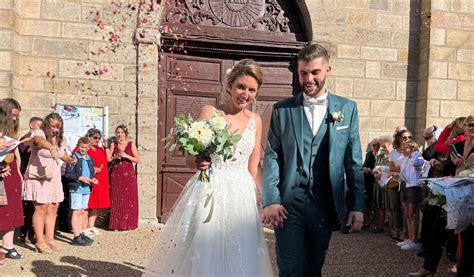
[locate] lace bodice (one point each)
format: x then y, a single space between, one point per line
242 149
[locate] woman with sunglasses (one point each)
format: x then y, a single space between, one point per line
100 197
368 166
396 194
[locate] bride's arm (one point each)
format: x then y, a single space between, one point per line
254 160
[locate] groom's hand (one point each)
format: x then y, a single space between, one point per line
202 163
355 220
274 215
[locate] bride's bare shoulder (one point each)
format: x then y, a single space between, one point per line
206 111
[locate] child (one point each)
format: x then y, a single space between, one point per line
80 176
410 172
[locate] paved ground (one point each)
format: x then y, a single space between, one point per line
125 254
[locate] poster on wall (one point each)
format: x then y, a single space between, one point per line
78 119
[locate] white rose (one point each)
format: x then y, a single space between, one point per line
217 123
202 132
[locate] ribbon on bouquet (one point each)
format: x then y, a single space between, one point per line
213 176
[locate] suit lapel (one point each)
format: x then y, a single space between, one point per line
334 106
297 113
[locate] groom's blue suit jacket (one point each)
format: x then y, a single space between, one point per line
287 164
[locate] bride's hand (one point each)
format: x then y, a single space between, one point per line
202 163
274 215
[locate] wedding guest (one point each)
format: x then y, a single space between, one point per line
397 194
380 200
43 179
27 232
11 215
81 177
123 181
99 197
452 133
368 166
410 172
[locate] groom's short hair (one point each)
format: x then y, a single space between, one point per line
313 51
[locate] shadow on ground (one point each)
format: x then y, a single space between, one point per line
83 267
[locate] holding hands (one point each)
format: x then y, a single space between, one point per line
202 163
274 215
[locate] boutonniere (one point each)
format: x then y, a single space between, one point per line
337 117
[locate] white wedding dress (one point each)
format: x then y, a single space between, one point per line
232 243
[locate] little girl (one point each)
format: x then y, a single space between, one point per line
410 172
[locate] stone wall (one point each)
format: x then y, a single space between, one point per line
82 52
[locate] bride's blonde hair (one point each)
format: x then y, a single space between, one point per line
245 67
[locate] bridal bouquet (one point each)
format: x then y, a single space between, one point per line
211 136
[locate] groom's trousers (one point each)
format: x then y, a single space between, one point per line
303 241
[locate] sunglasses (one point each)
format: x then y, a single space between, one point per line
375 145
470 125
95 137
408 137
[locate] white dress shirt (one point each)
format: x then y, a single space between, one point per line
315 112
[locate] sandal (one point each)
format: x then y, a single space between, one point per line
43 248
12 253
54 245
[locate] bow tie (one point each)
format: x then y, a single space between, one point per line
313 101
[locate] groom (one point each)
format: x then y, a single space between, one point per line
313 150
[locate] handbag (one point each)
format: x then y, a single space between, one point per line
40 173
3 194
392 184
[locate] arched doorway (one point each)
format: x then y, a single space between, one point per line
201 40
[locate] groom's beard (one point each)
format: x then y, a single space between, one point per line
319 87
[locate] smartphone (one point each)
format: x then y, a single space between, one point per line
452 149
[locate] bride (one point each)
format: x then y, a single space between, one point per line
232 243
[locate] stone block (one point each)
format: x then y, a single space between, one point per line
128 104
356 4
148 89
27 83
442 53
389 21
35 100
381 5
344 86
441 5
432 108
437 36
442 89
372 37
117 119
5 40
37 66
98 51
78 69
89 12
386 108
460 38
466 91
462 6
461 71
111 101
148 162
465 55
379 54
450 20
32 27
31 9
6 58
6 19
347 68
74 99
114 71
5 79
361 19
401 39
411 55
61 10
6 4
148 124
372 123
391 124
348 51
60 48
125 53
341 35
5 92
148 142
374 89
407 90
399 71
462 109
438 70
372 69
85 31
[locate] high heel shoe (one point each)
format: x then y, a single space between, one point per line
54 245
43 248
